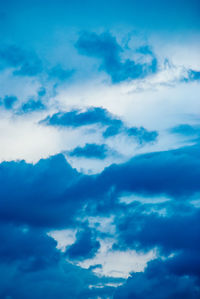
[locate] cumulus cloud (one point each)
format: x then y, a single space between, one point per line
51 195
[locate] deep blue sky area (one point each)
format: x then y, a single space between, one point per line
99 155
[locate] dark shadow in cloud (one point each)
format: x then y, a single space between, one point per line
146 50
91 151
58 72
187 130
178 232
37 196
100 116
41 92
52 195
31 266
32 105
105 47
25 63
30 249
85 246
175 235
158 281
77 118
142 135
173 173
192 75
112 130
9 101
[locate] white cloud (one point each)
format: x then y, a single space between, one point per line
117 263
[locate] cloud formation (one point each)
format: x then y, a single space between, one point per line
90 151
99 156
105 47
100 116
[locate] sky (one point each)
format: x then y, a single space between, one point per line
99 155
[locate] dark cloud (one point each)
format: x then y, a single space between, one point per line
192 75
30 249
100 116
187 130
175 236
58 280
41 92
35 103
25 63
77 118
91 151
85 246
9 101
174 172
171 233
112 130
37 196
32 105
159 282
52 195
142 135
105 47
58 72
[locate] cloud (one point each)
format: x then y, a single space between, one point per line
192 75
78 118
36 192
9 101
90 151
27 63
85 246
171 234
142 135
24 63
175 235
173 173
41 92
100 116
52 195
32 105
105 47
58 72
30 249
56 278
116 220
159 282
187 130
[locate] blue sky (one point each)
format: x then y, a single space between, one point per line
99 155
